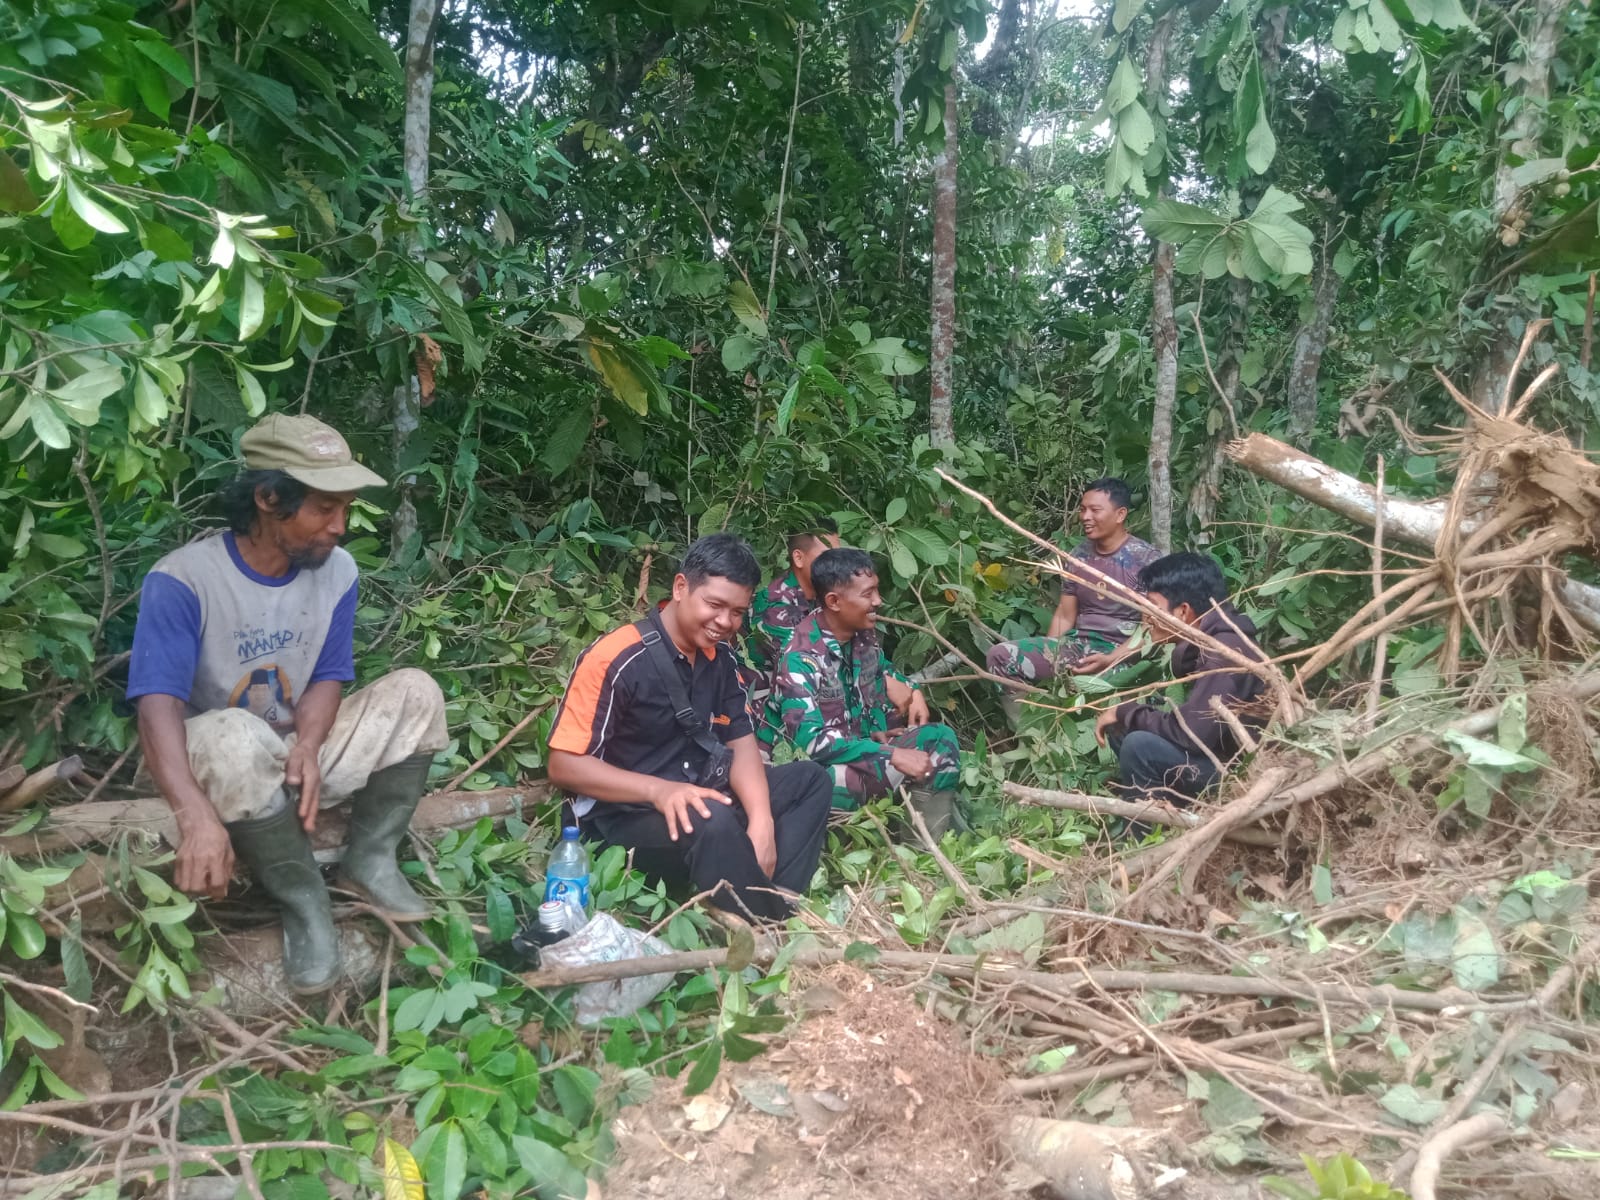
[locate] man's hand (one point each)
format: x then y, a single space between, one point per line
1093 664
764 839
913 764
1103 722
302 771
205 857
917 709
674 800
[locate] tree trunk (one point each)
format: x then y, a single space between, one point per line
1163 325
407 406
1521 140
1413 521
1311 342
942 335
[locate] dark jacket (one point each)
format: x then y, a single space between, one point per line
1240 690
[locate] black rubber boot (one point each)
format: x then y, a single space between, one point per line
380 814
937 806
278 853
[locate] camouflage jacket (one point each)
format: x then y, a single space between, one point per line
829 699
774 616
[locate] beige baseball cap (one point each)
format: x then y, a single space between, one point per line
306 449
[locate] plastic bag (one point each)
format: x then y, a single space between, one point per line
604 939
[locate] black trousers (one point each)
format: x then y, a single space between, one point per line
1153 768
717 853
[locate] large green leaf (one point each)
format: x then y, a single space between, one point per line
567 440
356 28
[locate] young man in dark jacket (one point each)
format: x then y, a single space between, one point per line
1171 753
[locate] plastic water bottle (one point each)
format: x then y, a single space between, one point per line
566 878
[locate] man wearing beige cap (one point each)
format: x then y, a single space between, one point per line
240 657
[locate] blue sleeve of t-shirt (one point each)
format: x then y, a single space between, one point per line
166 639
338 657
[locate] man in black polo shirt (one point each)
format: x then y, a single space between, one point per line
655 713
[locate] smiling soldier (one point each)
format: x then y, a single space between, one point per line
240 657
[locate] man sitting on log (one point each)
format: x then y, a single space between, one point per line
1092 623
653 742
830 697
1175 753
240 657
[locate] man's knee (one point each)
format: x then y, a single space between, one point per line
237 759
1001 659
417 699
1139 749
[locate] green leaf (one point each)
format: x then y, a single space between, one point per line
251 393
1282 242
69 227
91 211
901 560
1176 222
21 1024
547 1164
444 1166
149 401
25 936
452 315
1410 1105
1230 1110
747 309
896 510
889 356
1135 130
712 520
929 547
355 28
1322 884
252 305
567 441
1261 147
59 546
1474 956
739 351
75 963
1124 87
1123 14
704 1072
1480 753
165 57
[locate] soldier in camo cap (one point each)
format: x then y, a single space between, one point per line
831 698
1092 626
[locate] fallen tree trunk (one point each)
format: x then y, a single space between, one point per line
1148 813
976 966
1418 523
73 827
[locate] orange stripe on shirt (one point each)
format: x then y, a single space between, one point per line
587 689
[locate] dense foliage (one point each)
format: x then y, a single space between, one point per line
671 274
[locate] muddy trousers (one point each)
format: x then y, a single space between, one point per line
238 759
717 853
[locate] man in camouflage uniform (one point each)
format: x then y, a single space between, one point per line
1093 626
788 600
831 698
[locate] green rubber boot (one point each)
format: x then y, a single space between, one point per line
937 806
380 813
278 853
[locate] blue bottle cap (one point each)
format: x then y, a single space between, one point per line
569 833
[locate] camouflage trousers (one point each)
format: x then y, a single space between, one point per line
1037 659
868 779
